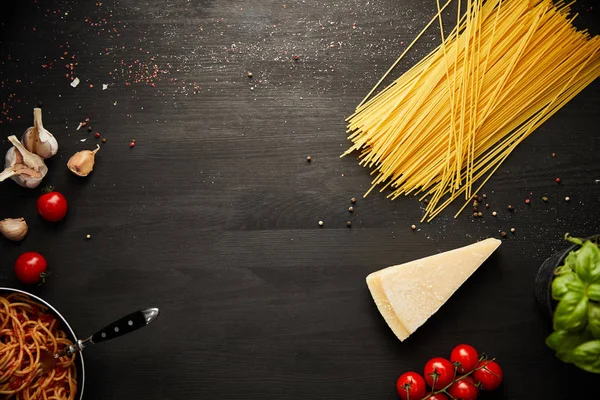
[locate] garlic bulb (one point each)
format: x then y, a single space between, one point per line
37 139
82 162
14 228
25 168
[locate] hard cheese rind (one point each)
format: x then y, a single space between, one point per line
408 294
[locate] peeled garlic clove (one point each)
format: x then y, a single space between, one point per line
14 228
37 139
82 162
25 168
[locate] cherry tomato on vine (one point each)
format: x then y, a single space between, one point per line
464 389
30 267
437 396
489 374
438 373
411 386
52 206
466 358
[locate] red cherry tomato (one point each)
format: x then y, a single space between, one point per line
437 396
30 268
464 389
438 373
489 374
52 206
411 386
465 357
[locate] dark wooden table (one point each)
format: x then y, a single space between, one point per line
213 215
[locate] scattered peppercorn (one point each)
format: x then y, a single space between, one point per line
351 209
104 140
510 208
308 159
426 201
97 135
494 213
545 199
131 144
88 236
567 198
133 140
84 123
413 227
487 205
475 208
90 129
503 234
557 180
475 203
348 224
475 215
474 197
553 154
527 201
480 199
512 230
320 223
353 200
484 196
480 214
249 74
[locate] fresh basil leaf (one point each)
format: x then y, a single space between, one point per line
572 239
593 291
571 312
588 263
564 342
594 319
559 284
576 286
587 356
570 263
562 269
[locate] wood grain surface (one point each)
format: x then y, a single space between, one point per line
213 215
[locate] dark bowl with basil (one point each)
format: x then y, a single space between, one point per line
568 291
545 275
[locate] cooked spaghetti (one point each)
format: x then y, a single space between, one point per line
444 127
25 329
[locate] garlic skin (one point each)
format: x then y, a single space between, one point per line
82 162
37 139
14 229
25 168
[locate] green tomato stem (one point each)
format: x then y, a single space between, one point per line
454 380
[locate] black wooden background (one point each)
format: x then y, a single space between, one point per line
213 215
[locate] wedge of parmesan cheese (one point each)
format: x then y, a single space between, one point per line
408 294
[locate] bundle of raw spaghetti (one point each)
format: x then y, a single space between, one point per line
450 121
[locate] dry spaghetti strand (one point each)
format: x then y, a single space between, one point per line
453 118
25 329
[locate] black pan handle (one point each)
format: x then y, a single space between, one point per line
125 325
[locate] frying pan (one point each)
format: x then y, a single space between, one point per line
120 327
